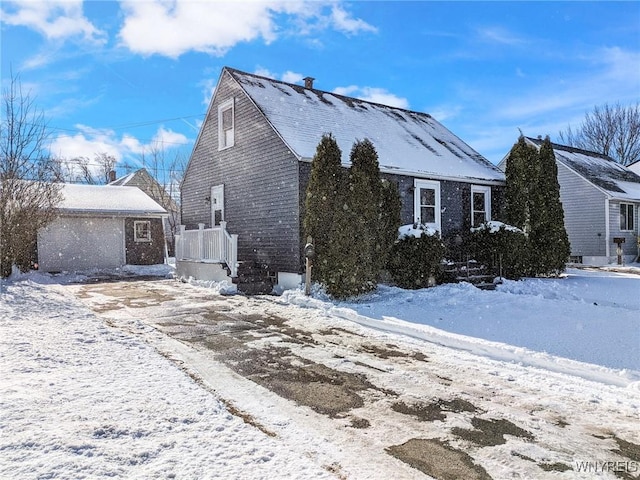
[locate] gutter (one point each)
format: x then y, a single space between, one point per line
428 176
112 213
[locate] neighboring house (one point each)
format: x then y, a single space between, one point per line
251 164
149 185
100 226
635 167
601 200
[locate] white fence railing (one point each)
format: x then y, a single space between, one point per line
211 245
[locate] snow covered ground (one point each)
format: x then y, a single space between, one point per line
95 395
589 316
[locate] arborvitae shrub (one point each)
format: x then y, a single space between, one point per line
548 239
389 221
414 260
496 245
322 197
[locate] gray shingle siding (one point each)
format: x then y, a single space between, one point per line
584 213
260 181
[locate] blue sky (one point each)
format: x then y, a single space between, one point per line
128 77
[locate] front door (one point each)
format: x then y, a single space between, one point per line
217 205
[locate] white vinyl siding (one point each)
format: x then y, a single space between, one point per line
585 217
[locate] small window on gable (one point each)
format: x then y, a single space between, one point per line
480 205
626 217
142 231
226 124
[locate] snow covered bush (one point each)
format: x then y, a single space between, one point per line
416 256
500 246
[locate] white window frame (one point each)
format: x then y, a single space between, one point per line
487 202
428 184
226 138
627 216
138 238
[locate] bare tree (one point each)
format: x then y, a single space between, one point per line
28 197
165 188
610 130
85 170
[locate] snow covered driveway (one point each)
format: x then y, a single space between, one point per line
168 380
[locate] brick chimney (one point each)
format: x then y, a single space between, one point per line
112 176
308 82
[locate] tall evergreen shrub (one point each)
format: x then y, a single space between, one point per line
323 197
354 246
548 239
389 220
533 205
519 173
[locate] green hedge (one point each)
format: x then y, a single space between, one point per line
416 257
498 245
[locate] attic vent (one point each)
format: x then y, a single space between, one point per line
308 82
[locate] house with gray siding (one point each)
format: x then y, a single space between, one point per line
601 200
251 162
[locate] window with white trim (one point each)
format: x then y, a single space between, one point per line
427 203
142 231
626 217
480 205
226 124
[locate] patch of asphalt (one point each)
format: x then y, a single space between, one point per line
262 347
438 459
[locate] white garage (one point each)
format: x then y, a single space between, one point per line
90 230
82 243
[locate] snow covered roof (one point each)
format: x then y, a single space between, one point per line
122 181
407 142
635 167
108 199
613 178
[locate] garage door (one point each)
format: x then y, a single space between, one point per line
74 243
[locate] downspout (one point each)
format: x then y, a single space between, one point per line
164 236
607 230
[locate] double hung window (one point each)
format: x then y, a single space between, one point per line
226 125
480 205
427 203
142 231
626 217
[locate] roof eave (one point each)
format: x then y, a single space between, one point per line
431 176
110 213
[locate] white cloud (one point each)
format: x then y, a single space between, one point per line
500 35
174 27
343 22
373 94
55 19
443 113
90 141
610 75
292 77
